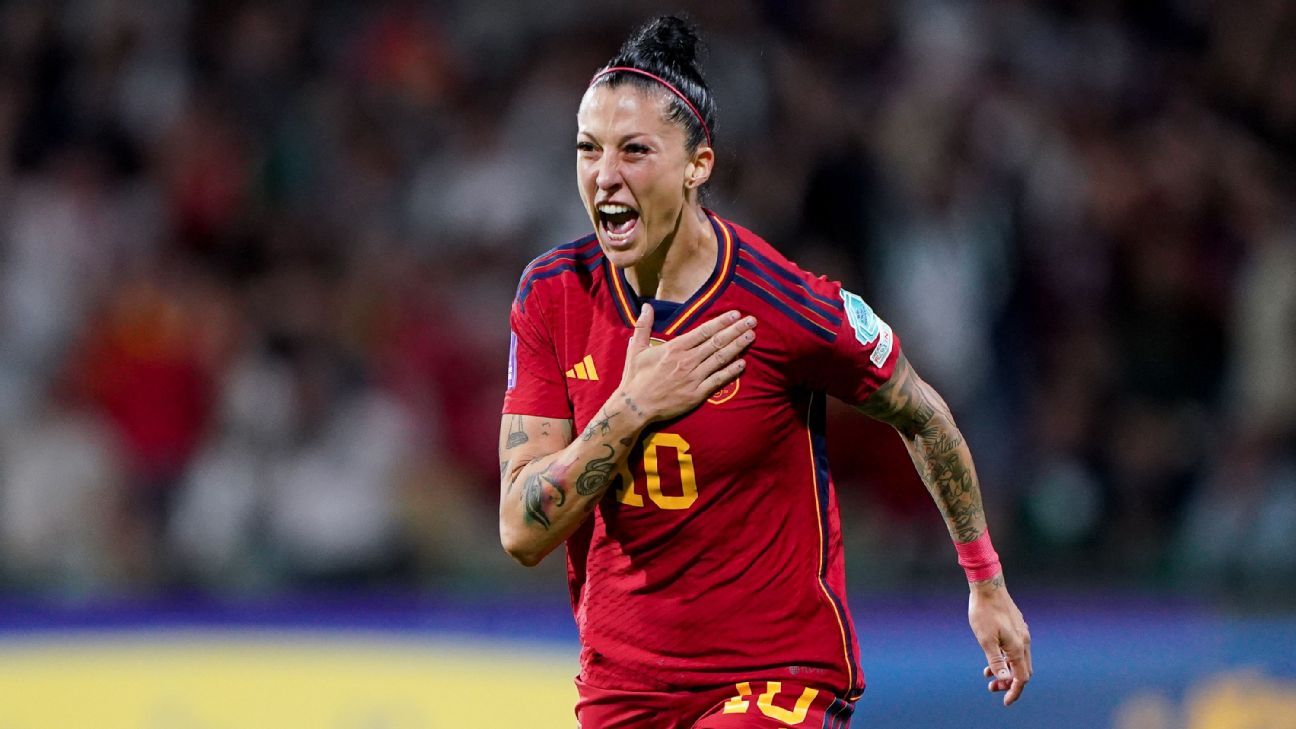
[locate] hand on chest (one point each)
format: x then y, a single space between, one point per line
678 461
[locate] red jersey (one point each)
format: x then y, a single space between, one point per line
716 557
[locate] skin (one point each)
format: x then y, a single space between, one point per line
944 463
628 152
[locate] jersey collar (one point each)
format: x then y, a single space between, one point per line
628 303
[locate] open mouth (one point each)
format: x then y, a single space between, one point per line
618 221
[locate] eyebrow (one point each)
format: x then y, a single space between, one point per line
624 138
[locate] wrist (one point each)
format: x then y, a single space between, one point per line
987 587
979 560
631 406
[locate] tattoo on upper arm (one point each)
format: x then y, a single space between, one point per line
901 402
516 436
935 445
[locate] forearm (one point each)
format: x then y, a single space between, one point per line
544 500
944 464
936 446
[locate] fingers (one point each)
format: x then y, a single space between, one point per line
728 344
642 329
1014 691
996 684
1009 671
641 337
1025 656
997 671
1018 656
724 376
707 330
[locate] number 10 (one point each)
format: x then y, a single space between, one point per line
628 493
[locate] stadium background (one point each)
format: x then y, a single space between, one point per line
255 263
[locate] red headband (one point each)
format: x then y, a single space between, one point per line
663 82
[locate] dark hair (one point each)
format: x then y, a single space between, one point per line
667 46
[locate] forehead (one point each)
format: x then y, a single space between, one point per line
624 109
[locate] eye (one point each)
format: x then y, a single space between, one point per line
636 149
584 146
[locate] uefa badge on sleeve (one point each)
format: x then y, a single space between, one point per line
869 327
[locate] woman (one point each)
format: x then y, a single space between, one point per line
689 480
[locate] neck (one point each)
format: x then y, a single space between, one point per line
682 263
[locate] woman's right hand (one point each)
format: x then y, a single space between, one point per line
661 382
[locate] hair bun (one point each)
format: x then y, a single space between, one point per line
667 40
665 50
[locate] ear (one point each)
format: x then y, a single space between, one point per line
699 168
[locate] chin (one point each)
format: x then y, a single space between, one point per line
622 257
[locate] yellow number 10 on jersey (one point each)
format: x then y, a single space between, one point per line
628 493
797 714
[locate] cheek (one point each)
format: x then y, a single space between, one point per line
667 194
585 179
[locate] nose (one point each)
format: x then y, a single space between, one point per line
607 175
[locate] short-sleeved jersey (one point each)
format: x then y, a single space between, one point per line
716 557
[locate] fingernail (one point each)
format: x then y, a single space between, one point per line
742 365
751 320
749 336
733 316
1003 673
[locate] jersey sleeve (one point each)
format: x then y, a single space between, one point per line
862 356
536 385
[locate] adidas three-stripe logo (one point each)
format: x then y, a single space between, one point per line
584 370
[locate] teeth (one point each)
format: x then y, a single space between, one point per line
609 209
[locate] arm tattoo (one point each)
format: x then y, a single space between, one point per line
600 427
533 497
900 402
947 471
633 407
936 447
598 471
516 436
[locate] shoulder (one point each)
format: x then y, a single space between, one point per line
565 265
812 304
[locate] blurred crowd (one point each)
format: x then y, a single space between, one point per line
256 260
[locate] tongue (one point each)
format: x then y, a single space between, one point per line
621 222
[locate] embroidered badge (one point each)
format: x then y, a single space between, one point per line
869 328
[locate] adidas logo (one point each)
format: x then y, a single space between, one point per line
584 370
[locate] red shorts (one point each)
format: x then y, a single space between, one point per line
748 705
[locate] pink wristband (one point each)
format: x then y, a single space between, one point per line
978 558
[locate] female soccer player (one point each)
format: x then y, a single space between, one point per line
689 480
